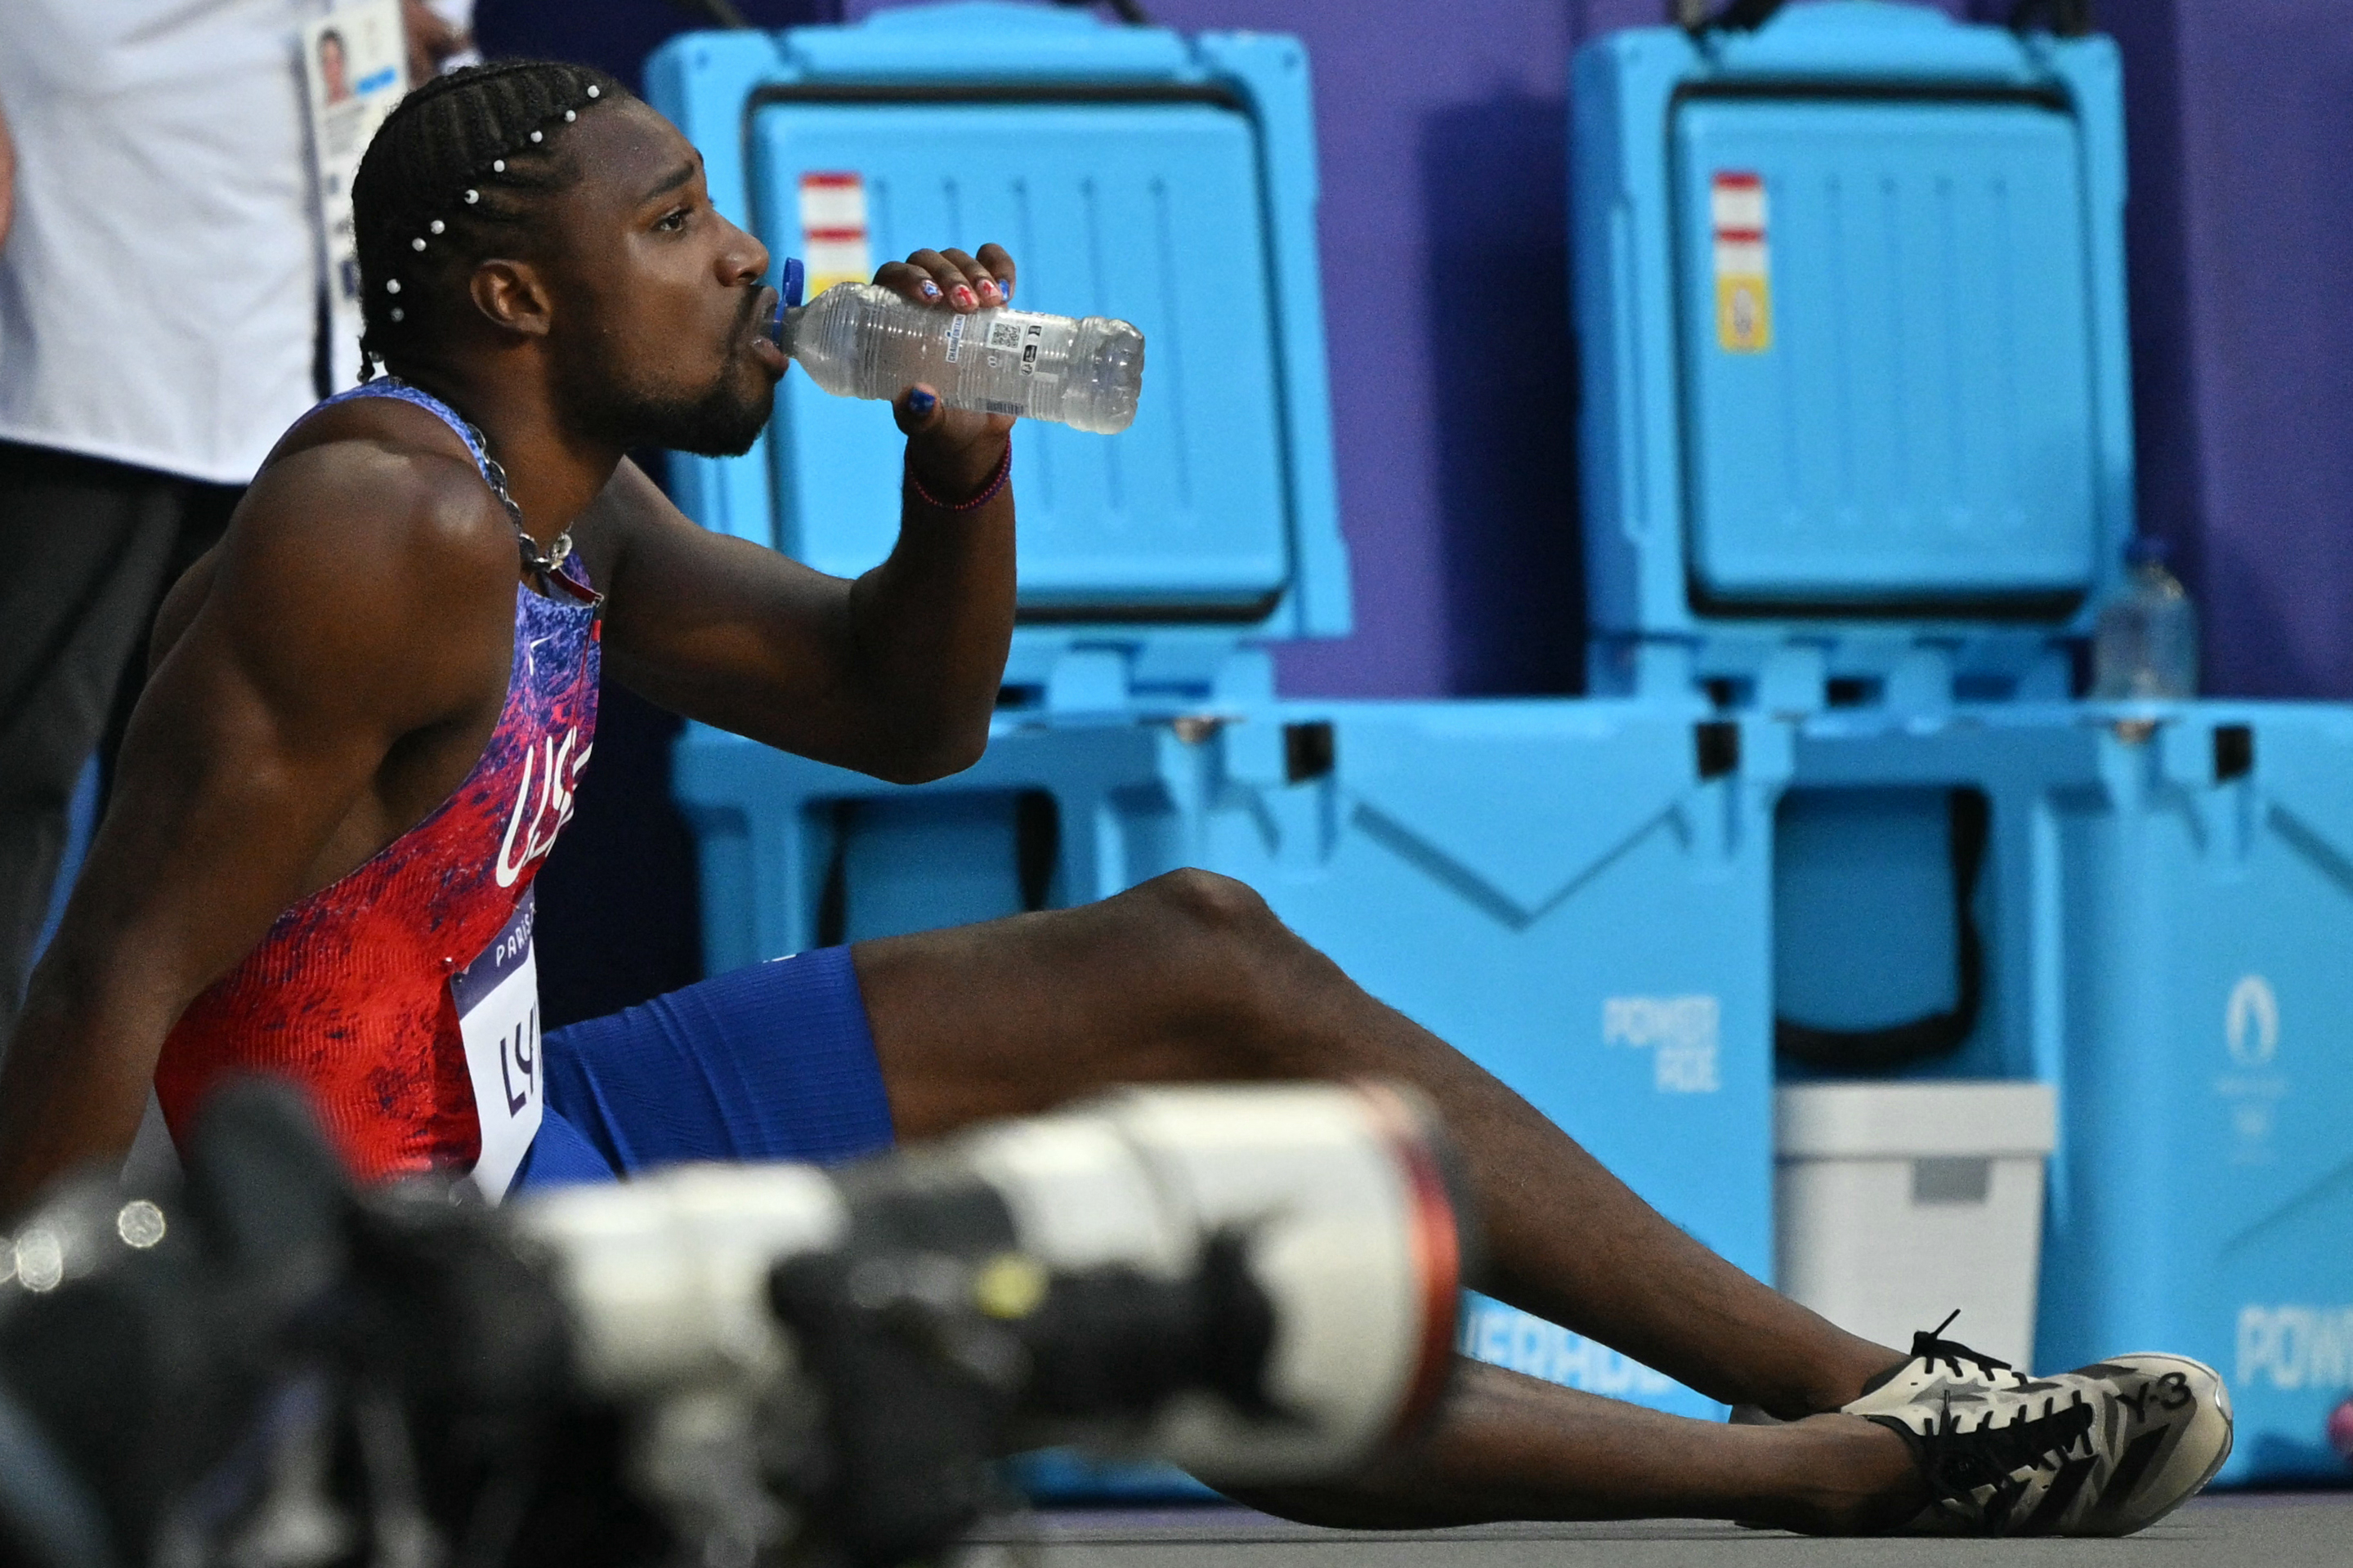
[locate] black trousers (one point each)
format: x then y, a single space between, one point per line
88 549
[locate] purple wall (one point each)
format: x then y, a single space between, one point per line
1444 225
1445 232
2243 305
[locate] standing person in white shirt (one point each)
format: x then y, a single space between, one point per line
160 309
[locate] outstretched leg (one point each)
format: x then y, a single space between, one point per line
1191 978
1504 1447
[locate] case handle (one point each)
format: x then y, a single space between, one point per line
1128 11
1936 1034
2065 18
1738 17
720 14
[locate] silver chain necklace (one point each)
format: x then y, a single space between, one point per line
542 562
534 559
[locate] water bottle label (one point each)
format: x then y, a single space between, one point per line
1010 331
1006 342
999 334
1015 332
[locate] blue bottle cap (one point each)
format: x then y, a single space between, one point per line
793 282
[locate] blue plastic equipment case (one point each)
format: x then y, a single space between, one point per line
1850 304
1608 962
2166 896
1857 455
2203 1198
1133 173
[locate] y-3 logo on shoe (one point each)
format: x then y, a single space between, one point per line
2172 1392
557 773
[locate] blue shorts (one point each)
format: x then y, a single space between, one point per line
774 1062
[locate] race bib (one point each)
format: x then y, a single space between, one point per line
497 1015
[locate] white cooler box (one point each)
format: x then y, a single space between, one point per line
1896 1203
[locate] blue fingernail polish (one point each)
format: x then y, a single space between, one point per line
931 289
919 402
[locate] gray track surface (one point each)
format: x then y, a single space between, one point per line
2296 1530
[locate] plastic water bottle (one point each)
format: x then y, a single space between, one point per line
2146 643
856 339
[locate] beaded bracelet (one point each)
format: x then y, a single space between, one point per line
1003 475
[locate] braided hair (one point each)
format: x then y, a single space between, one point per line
459 172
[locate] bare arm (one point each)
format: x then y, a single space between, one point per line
430 41
7 181
263 762
894 674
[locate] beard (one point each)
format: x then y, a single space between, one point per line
602 395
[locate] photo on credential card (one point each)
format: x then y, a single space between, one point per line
330 57
354 64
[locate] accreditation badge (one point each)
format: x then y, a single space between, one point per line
354 69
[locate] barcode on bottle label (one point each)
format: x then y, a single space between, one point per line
1005 334
997 406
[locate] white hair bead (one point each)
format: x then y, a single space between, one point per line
473 197
538 136
499 166
417 245
392 285
594 90
397 314
438 226
570 115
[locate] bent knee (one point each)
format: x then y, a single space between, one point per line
1208 903
1229 968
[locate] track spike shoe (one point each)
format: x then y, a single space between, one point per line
2105 1449
1936 1364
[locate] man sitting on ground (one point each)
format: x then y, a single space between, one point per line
366 720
